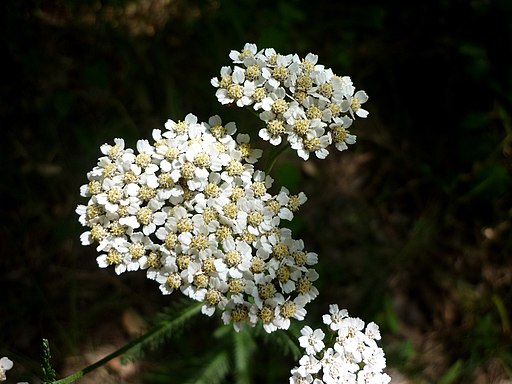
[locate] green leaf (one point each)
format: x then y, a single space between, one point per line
391 316
288 174
452 374
502 311
493 182
286 340
49 374
213 372
169 323
244 348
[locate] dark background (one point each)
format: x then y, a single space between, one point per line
412 225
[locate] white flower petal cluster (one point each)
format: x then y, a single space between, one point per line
5 365
298 98
190 209
354 356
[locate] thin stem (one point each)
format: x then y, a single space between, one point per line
273 159
106 359
252 111
195 308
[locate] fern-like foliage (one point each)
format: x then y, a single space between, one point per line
169 323
214 370
244 347
49 374
286 340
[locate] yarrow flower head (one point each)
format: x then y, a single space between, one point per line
190 209
300 100
352 357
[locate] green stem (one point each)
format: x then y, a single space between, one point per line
274 157
194 308
106 359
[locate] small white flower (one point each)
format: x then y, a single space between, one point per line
220 131
297 378
249 154
372 331
113 151
340 134
239 91
353 104
249 50
225 78
350 327
182 130
275 128
168 277
343 88
311 341
335 317
308 365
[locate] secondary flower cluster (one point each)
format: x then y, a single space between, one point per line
191 210
299 98
352 357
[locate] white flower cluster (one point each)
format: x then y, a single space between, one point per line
5 365
298 98
354 356
191 210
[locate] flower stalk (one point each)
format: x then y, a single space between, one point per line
193 309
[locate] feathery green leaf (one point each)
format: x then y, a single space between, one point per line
244 348
286 340
168 324
49 374
215 371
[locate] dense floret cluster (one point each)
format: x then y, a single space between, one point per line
191 210
298 98
351 356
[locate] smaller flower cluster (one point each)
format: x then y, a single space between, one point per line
191 210
299 98
353 357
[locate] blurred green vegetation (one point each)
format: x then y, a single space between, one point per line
412 225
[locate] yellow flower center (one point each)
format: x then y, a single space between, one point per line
266 291
233 258
145 215
275 127
114 257
239 313
288 309
279 106
235 91
94 187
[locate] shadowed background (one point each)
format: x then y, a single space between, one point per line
412 224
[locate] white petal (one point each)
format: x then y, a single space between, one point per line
362 112
85 238
6 363
130 221
102 261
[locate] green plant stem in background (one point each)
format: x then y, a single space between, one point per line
190 311
271 162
